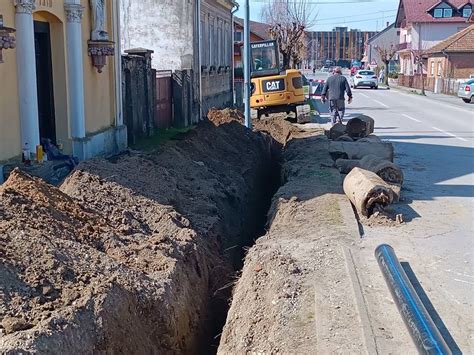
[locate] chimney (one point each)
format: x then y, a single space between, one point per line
388 24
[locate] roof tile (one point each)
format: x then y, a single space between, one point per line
416 10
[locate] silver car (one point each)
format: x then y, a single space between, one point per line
466 91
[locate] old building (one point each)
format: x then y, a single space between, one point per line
386 41
423 24
258 32
60 81
186 35
340 44
454 57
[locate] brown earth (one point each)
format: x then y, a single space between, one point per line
133 254
294 282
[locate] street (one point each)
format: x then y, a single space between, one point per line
433 143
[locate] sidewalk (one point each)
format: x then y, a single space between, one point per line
448 99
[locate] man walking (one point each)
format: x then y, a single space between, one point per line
334 89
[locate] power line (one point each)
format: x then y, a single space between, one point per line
352 16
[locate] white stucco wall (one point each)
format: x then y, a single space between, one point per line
166 27
433 33
383 40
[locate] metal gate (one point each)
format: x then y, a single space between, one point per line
163 102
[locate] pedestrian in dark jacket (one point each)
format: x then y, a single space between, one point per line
334 90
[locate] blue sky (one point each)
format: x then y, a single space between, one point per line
370 16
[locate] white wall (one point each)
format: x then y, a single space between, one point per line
433 33
383 40
166 27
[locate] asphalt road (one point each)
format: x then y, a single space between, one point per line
434 141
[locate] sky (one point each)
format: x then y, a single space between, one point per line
369 15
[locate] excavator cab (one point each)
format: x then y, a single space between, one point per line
273 90
265 59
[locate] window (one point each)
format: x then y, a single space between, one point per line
238 36
438 13
440 67
467 11
448 13
432 68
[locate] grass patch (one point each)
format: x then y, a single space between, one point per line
158 139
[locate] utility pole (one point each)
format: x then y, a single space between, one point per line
247 82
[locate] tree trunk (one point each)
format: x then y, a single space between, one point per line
366 190
422 81
286 61
388 171
360 126
336 131
385 79
370 139
356 150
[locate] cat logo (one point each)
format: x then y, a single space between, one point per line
273 85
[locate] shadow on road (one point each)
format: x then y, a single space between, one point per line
427 167
430 308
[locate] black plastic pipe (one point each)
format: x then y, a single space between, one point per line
422 329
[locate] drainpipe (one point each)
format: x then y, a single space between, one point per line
198 9
118 64
236 5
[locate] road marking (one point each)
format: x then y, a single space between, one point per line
365 96
466 282
444 104
459 274
449 134
411 118
380 103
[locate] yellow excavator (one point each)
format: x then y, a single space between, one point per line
273 90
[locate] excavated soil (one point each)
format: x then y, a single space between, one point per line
294 293
135 254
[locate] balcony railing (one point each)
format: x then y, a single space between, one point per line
403 46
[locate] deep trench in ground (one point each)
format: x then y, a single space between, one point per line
267 185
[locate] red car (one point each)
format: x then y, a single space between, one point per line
354 70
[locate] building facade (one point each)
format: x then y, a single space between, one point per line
61 79
424 24
258 32
339 44
186 35
453 58
386 40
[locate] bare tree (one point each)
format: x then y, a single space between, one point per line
288 22
421 60
386 53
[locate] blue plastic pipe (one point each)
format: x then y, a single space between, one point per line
422 329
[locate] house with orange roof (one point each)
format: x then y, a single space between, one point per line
423 24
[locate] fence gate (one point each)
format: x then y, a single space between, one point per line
164 99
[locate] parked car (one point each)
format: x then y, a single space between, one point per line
354 70
366 78
466 91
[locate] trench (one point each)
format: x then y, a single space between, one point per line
269 180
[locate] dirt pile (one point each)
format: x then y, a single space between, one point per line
133 254
276 125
